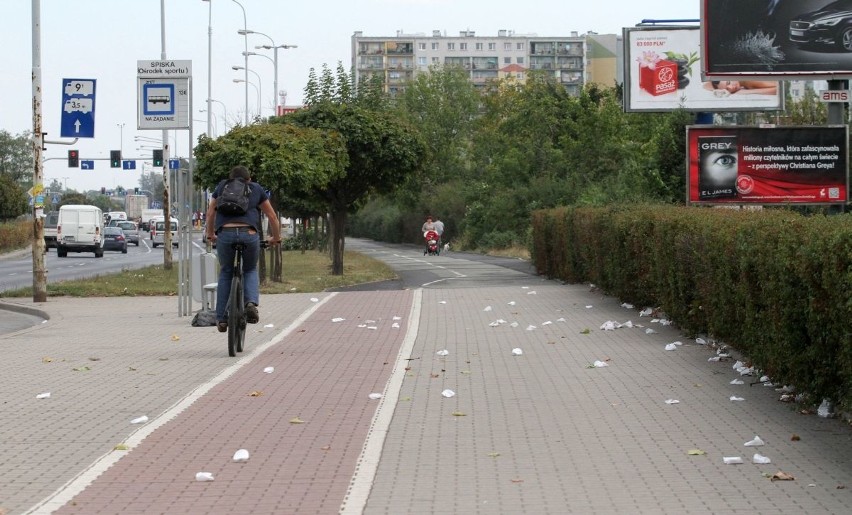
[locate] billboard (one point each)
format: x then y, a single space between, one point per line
779 165
774 38
662 72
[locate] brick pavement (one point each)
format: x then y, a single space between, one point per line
536 433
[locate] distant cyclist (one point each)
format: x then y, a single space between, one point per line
226 230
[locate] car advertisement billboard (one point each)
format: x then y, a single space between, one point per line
662 72
775 38
779 165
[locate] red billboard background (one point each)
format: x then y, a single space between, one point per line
779 165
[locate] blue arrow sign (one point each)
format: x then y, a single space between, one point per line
128 165
87 165
174 164
54 199
78 108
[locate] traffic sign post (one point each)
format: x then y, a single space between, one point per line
164 94
174 164
78 108
128 165
87 164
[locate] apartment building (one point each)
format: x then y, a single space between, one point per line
573 60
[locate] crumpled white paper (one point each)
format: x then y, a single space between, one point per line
314 299
448 393
600 364
734 398
650 331
531 327
511 303
701 341
395 325
268 326
627 306
513 324
646 312
610 325
443 352
737 381
269 370
241 455
755 442
760 459
139 420
671 346
531 292
204 476
517 352
546 323
338 319
487 308
375 396
672 401
45 395
714 358
732 460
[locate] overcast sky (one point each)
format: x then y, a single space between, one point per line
104 39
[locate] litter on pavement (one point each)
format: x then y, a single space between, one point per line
241 455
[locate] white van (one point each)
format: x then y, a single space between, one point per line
158 229
50 223
80 228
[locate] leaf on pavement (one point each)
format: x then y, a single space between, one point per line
586 331
46 359
296 420
175 337
459 414
121 447
781 476
695 452
493 454
256 393
81 369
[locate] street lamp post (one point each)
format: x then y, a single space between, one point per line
245 38
209 62
275 61
259 86
275 85
256 90
121 133
225 109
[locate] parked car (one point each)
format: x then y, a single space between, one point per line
50 223
131 231
114 239
829 25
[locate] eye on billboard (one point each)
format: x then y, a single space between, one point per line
775 38
662 72
779 165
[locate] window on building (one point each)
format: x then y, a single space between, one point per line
507 60
479 46
421 61
520 59
435 46
462 46
492 46
507 46
451 46
421 46
520 46
519 75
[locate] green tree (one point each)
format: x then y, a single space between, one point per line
16 158
13 199
382 152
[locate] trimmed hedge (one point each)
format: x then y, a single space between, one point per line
773 284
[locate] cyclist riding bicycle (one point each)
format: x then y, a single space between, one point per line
226 230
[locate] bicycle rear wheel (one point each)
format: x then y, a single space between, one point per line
235 312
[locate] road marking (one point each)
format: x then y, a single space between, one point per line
368 462
77 484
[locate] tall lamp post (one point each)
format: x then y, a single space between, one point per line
259 87
121 132
275 61
244 32
275 85
209 63
255 90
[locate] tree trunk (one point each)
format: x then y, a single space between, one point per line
338 225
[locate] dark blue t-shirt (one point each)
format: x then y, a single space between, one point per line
252 217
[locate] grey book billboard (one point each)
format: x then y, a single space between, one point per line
776 38
767 165
662 71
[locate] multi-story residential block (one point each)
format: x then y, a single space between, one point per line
573 60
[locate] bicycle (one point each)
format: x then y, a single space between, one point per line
237 315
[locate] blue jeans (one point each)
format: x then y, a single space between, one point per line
226 254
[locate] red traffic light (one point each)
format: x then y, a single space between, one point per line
73 158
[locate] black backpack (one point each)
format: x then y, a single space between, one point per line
234 198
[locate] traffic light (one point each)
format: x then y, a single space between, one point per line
115 158
73 159
158 157
103 190
135 191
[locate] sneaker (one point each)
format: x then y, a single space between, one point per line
252 316
222 326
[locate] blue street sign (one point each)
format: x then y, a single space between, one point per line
87 165
78 108
128 165
156 205
174 164
54 199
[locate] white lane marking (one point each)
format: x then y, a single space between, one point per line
77 484
368 462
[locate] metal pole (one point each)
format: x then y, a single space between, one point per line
167 234
245 38
275 80
209 66
39 272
